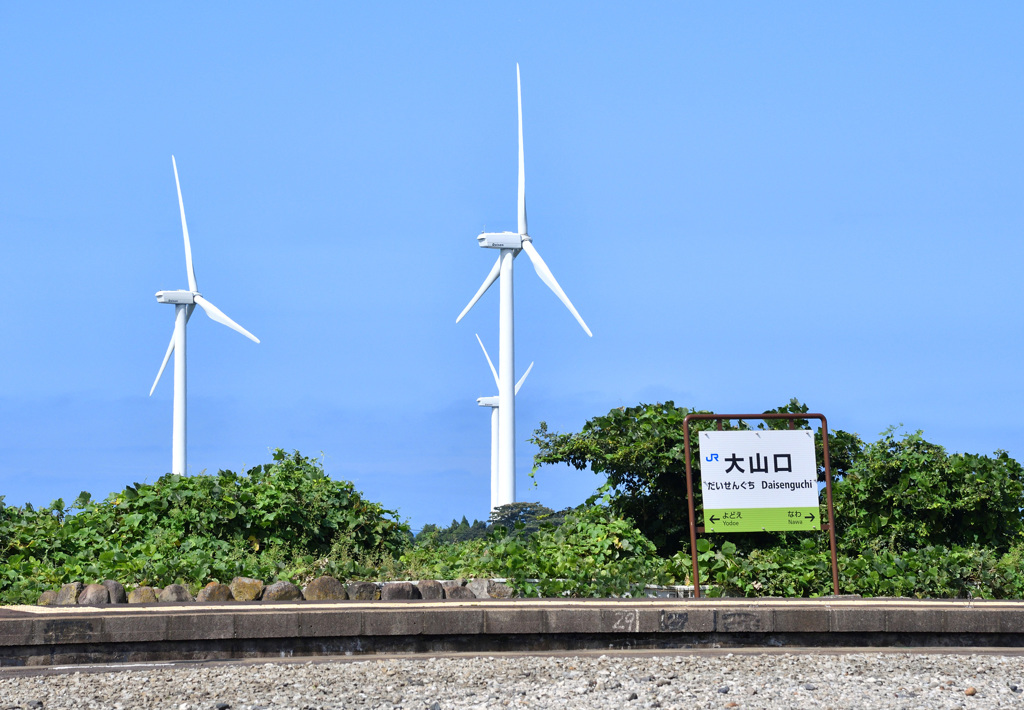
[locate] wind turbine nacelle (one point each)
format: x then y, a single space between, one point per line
500 240
487 401
178 298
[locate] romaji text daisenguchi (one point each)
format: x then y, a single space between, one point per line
789 485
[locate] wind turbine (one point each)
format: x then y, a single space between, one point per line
492 402
509 245
184 303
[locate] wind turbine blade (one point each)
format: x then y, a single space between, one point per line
523 378
486 285
493 371
167 356
192 285
548 278
522 159
219 316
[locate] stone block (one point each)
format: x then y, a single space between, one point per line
68 594
199 627
511 620
907 619
430 589
581 620
215 592
1011 621
116 591
143 595
749 620
363 591
67 630
479 588
94 595
324 589
458 593
450 584
864 619
807 620
282 591
441 621
972 621
134 628
399 590
16 632
489 589
47 598
392 621
337 621
270 624
246 589
696 620
173 593
500 590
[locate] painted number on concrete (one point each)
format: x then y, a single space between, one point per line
627 621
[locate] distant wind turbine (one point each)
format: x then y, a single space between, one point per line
493 402
510 244
184 303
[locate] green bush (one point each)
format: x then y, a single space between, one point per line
283 520
592 553
806 571
907 493
912 521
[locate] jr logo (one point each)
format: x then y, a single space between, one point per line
712 457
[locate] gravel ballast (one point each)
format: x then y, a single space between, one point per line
806 680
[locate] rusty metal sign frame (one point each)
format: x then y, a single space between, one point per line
719 418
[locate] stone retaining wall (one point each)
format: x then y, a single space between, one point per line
248 589
320 589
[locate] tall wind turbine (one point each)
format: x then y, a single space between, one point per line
492 402
184 303
509 245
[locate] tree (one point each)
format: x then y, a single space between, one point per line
529 516
906 493
458 531
641 451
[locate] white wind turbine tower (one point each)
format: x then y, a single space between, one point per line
493 402
184 303
509 245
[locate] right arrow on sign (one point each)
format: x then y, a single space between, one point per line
809 516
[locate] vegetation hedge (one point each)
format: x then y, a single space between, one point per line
912 519
283 520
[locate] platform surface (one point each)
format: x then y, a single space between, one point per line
34 635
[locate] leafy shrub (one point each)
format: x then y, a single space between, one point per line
806 571
907 493
282 520
592 553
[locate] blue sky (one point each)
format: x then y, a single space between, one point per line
746 203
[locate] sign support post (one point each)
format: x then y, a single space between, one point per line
719 418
